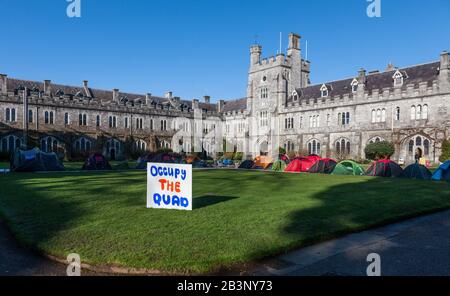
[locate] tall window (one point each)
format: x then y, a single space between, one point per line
413 112
397 113
344 118
82 119
163 125
139 123
97 121
10 115
263 118
126 122
30 116
49 117
354 86
289 146
425 112
264 93
289 123
314 147
343 146
151 124
66 119
112 122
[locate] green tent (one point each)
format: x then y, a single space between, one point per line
279 166
348 167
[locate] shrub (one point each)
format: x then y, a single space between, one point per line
379 150
281 150
445 151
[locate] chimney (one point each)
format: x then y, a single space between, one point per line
444 73
86 89
148 98
195 104
207 99
362 76
220 106
3 83
116 95
48 87
168 95
444 60
294 45
390 67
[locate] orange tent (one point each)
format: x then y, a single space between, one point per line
263 161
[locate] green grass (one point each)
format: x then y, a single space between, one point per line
239 216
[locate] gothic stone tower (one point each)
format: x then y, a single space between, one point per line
270 82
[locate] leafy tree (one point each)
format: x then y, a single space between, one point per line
445 151
379 150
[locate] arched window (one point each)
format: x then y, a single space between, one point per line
374 116
411 147
8 115
338 147
419 141
383 115
425 112
379 115
397 113
46 117
314 147
418 112
49 144
343 146
141 145
13 114
413 112
398 78
10 143
426 146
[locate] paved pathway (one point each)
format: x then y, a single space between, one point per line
416 247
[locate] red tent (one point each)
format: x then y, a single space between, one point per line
302 164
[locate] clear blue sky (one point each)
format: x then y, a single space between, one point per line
198 47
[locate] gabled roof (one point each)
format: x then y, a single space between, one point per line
412 75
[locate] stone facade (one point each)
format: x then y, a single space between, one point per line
408 106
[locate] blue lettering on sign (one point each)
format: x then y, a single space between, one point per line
170 200
156 171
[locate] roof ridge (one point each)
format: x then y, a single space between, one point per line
369 74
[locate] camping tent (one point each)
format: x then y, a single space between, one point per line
247 164
35 161
158 158
263 162
348 167
443 172
301 164
416 171
279 166
96 162
384 168
323 166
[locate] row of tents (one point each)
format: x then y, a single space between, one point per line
382 168
36 160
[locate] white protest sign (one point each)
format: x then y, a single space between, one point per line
169 186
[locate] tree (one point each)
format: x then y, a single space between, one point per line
379 150
445 151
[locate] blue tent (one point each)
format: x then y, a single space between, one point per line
443 172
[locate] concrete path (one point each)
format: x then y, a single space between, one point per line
416 247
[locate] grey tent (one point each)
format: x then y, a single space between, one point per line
35 161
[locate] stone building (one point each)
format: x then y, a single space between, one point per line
409 106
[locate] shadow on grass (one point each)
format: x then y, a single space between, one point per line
209 200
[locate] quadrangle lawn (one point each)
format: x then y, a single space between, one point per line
238 217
